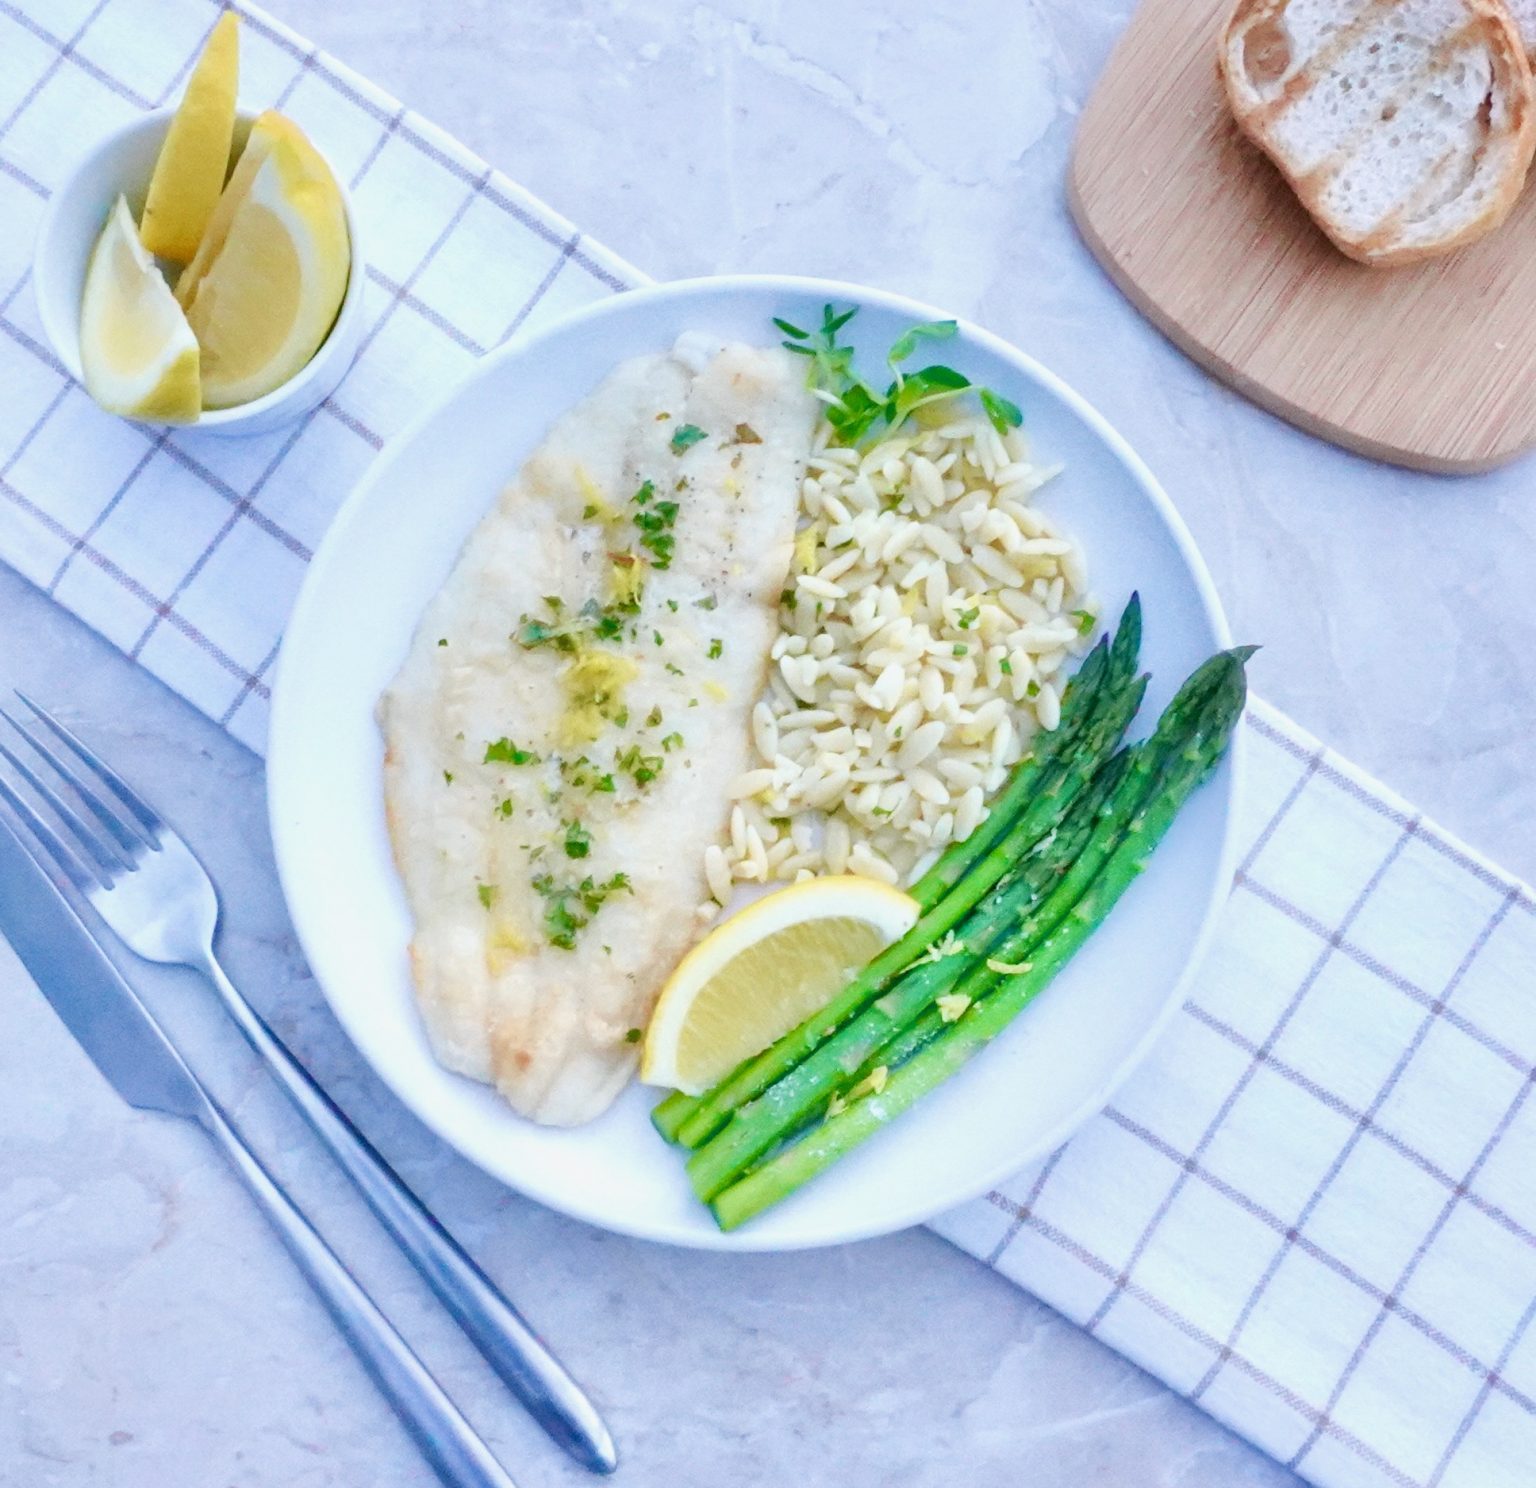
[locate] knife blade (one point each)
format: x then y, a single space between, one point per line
126 1044
87 991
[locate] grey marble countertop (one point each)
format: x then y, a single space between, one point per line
151 1331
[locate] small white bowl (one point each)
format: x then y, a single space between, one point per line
123 162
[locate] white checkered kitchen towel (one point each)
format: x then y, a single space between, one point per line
1314 1211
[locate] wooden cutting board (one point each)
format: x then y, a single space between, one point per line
1431 366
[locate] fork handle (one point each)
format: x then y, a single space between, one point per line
446 1439
495 1327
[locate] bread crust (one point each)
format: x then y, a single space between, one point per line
1490 21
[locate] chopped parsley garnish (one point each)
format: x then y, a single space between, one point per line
968 618
859 409
656 636
486 893
653 718
960 650
555 603
578 840
569 907
642 768
1005 667
672 605
592 619
1085 621
442 640
685 437
504 752
447 777
531 633
788 600
716 649
671 742
655 523
746 434
634 1035
505 806
676 671
1033 690
707 603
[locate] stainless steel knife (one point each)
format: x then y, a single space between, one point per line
129 1047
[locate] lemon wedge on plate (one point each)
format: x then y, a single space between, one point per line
189 173
274 279
139 355
763 971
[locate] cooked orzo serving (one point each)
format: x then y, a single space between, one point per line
931 612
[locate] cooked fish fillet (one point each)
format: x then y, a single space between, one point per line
541 738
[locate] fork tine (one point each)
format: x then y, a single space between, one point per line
63 855
136 806
128 841
109 863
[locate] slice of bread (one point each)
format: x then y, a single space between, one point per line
1405 126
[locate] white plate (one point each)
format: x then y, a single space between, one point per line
389 551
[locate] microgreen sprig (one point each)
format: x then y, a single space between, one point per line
855 409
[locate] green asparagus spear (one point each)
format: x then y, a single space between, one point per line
947 1052
1112 707
757 1126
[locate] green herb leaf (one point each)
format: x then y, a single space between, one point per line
1004 414
504 752
486 893
716 648
633 1035
578 841
686 436
790 330
928 385
905 344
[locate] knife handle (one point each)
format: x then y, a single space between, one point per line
446 1439
495 1327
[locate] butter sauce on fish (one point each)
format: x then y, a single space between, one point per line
574 707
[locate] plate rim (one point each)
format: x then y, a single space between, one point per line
307 602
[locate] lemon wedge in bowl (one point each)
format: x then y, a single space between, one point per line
138 353
765 970
267 299
266 129
189 172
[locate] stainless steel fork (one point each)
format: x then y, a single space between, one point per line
154 894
